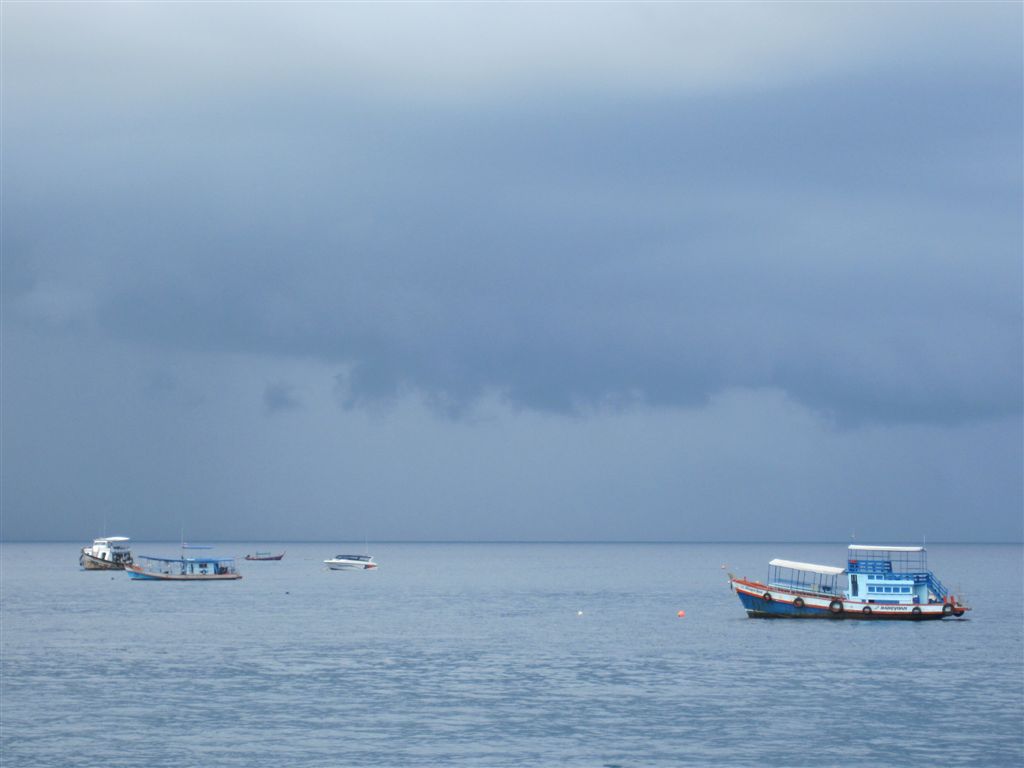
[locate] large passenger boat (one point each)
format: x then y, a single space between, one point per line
111 553
877 583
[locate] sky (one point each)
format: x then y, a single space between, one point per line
538 271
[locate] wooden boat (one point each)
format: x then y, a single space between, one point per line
877 583
264 556
111 553
184 569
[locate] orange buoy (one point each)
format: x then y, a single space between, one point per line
681 614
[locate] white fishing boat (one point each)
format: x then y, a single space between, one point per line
350 563
111 553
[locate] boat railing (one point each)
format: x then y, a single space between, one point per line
937 587
804 589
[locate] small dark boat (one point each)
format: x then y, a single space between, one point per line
264 556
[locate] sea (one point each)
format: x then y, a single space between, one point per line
487 654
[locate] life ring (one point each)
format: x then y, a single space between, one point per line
947 609
767 597
835 606
798 603
866 610
916 611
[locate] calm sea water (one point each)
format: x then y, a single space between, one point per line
477 655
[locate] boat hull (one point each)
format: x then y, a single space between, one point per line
351 566
90 563
140 574
270 557
764 602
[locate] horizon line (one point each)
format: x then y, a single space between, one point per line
517 541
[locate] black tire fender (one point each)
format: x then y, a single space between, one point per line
835 606
947 609
798 603
866 610
767 597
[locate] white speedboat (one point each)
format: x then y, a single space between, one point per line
350 563
111 553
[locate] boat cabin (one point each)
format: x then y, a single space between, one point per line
114 549
892 575
191 566
804 577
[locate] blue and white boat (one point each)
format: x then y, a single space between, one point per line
877 583
184 568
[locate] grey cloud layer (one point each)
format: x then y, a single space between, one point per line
853 240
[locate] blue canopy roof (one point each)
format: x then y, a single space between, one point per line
188 559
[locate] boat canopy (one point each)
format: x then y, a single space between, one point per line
189 559
825 570
868 548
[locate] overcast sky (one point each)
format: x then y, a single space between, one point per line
530 272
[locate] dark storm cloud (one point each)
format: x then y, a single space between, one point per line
852 240
820 241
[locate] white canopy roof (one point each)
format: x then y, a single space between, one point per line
886 549
827 570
